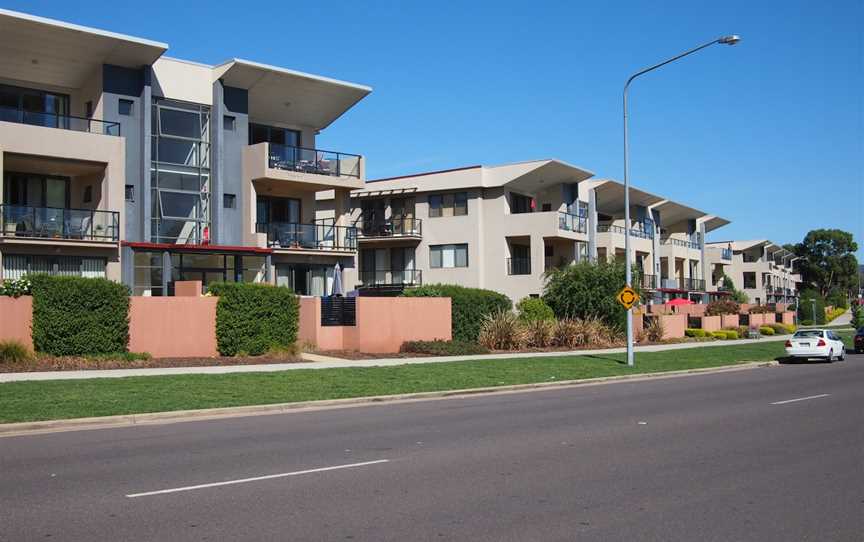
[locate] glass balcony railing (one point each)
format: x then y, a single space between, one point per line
396 226
59 223
680 243
638 230
320 235
64 122
315 161
391 277
726 254
571 222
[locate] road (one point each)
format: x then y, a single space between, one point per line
766 454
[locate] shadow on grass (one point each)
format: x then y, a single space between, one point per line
607 358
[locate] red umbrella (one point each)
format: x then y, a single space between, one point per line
679 301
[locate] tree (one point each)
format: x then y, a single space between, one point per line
828 261
585 290
738 296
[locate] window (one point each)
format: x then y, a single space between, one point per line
749 280
130 192
455 204
229 201
228 123
259 133
125 107
447 256
520 204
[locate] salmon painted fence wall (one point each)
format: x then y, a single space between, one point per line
176 327
16 317
383 324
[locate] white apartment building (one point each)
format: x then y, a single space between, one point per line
761 269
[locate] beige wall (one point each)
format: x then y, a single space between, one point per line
183 80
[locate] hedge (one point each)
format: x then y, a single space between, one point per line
695 332
468 306
75 316
766 330
254 318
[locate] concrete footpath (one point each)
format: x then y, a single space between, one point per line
316 361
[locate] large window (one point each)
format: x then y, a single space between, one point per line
520 204
260 133
35 190
749 280
180 172
16 266
32 106
447 256
455 204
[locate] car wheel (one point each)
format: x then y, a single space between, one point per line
843 354
830 357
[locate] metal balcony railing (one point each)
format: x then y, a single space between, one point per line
518 266
64 122
396 226
637 231
321 235
571 222
391 277
316 161
644 281
693 285
680 243
59 223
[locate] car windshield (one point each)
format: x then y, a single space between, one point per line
808 333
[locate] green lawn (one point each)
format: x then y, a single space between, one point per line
30 401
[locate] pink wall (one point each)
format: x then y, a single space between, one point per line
757 320
729 320
744 308
769 318
16 317
712 323
181 327
781 307
788 317
383 324
673 325
187 288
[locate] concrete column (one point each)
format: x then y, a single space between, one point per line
538 259
655 246
268 269
592 225
703 267
217 166
146 197
166 271
127 267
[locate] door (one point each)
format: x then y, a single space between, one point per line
372 215
402 215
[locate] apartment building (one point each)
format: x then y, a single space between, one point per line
121 162
502 227
761 269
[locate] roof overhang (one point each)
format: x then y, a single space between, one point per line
534 176
288 96
713 222
610 197
672 212
739 246
53 52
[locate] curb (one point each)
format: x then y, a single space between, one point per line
127 420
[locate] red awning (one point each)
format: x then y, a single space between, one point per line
679 301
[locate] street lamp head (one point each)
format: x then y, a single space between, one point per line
731 39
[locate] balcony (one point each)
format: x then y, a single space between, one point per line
571 222
680 243
518 266
379 278
726 254
392 228
693 285
321 235
313 169
314 161
644 281
639 231
63 122
49 223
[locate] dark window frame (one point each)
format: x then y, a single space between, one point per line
129 103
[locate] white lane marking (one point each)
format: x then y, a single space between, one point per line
256 479
801 399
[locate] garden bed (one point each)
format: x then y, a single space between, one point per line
76 363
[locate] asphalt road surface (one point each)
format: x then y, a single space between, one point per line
765 454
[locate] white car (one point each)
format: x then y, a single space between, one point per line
816 343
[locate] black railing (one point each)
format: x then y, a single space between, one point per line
644 281
59 223
64 122
638 231
391 227
338 311
321 235
316 161
693 285
518 266
680 243
391 277
571 222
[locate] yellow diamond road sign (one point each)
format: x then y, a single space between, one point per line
627 297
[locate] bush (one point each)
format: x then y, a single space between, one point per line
580 332
16 287
766 330
837 299
760 309
534 308
790 328
833 314
540 333
695 332
809 298
502 330
654 330
468 306
779 329
254 318
731 334
586 290
716 308
443 348
14 352
857 316
75 316
719 335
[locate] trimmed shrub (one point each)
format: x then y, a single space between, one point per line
502 330
254 318
779 329
716 308
766 330
833 314
587 290
14 352
443 348
540 333
16 287
790 328
719 335
731 334
534 308
75 316
695 332
468 306
760 309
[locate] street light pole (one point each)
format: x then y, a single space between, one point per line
726 40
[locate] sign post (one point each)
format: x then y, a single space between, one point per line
628 297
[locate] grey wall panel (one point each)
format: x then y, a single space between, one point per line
233 143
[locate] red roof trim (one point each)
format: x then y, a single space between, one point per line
423 174
197 248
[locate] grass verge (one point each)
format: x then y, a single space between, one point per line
64 399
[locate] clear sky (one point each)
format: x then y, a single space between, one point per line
769 134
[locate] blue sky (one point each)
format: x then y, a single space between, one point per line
769 134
